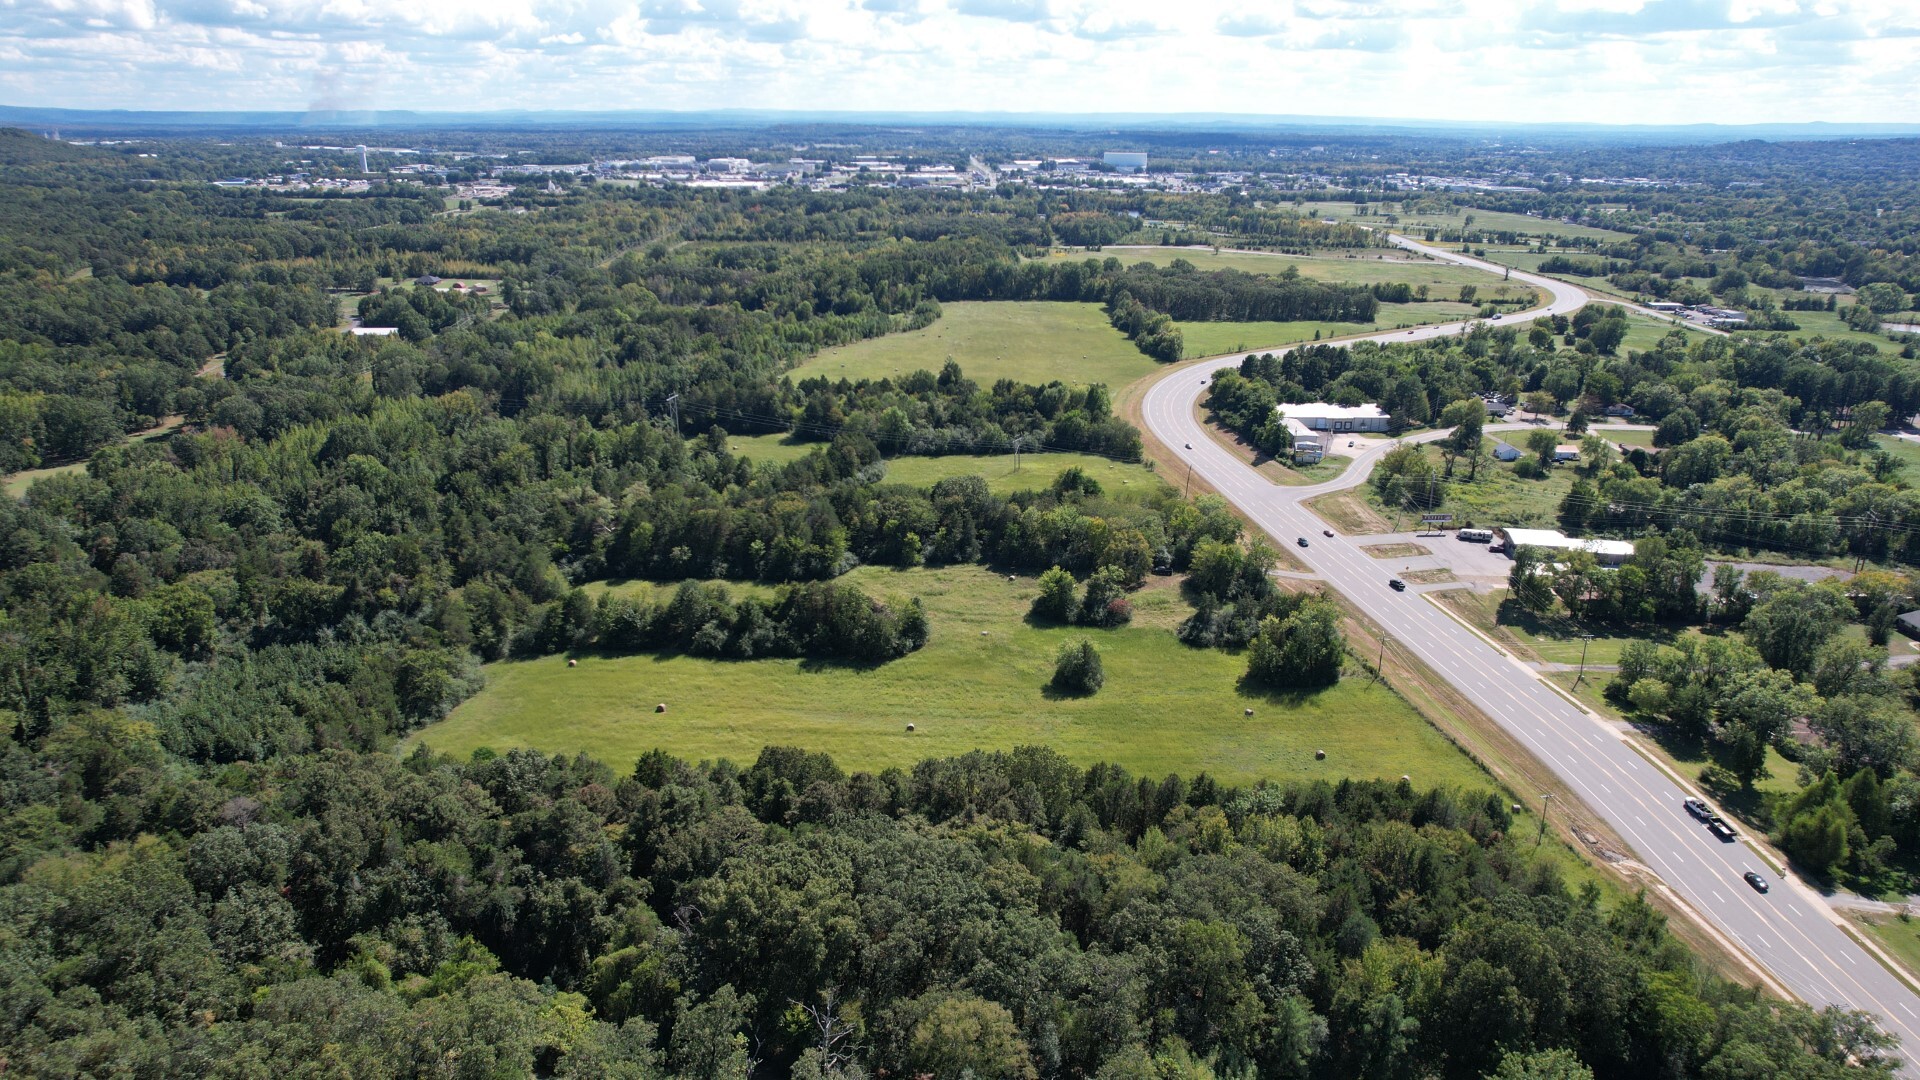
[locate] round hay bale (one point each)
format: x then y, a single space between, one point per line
1249 712
1516 808
1319 755
573 663
909 727
1011 578
1404 777
662 707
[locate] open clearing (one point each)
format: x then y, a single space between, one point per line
1215 338
1165 707
1028 341
1371 267
1003 472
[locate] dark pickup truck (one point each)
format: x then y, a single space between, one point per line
1718 826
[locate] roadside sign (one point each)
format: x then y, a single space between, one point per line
1435 519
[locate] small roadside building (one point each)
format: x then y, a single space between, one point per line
1307 444
1604 552
1908 623
1322 416
1505 451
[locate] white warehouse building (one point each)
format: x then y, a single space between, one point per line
1129 160
1320 416
1604 552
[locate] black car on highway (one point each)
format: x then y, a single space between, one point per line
1396 585
1759 883
1301 540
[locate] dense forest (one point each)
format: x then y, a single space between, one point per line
212 861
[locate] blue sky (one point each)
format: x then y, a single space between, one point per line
1622 61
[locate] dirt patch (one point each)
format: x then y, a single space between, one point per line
1396 551
1349 514
1429 577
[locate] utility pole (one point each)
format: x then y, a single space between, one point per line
1544 804
1016 453
1188 493
673 404
1584 638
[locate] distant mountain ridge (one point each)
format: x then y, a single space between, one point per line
92 120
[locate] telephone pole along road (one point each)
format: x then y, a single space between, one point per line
1789 931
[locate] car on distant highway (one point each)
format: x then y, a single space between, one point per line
1301 540
1759 883
1189 446
1396 585
1718 826
1698 809
1326 532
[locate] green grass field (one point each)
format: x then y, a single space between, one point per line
1494 220
1165 707
1906 452
1035 471
1497 497
1364 268
1829 325
1028 341
1214 338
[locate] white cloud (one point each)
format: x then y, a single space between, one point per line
1599 60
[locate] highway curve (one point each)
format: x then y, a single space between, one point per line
1791 931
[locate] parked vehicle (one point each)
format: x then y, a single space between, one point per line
1478 536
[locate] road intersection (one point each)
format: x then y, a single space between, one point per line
1791 932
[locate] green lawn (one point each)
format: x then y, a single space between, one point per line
1165 707
1554 639
1036 471
775 449
1372 267
1028 341
1490 220
1906 452
1900 936
1497 497
1829 325
1214 338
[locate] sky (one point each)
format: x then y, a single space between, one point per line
1599 61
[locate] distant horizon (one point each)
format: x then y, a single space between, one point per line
17 115
1724 62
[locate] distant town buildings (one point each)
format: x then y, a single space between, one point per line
1127 160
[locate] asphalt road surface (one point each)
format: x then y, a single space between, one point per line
1789 930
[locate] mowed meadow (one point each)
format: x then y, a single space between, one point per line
980 683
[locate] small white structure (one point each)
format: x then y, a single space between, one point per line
1321 416
1567 452
1505 451
1308 445
1605 552
731 165
1127 160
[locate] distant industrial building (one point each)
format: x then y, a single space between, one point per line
1322 416
1127 160
729 165
1604 552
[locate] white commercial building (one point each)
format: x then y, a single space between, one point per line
1320 416
1605 552
1128 160
1307 444
729 165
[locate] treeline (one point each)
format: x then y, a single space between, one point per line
820 620
1003 914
